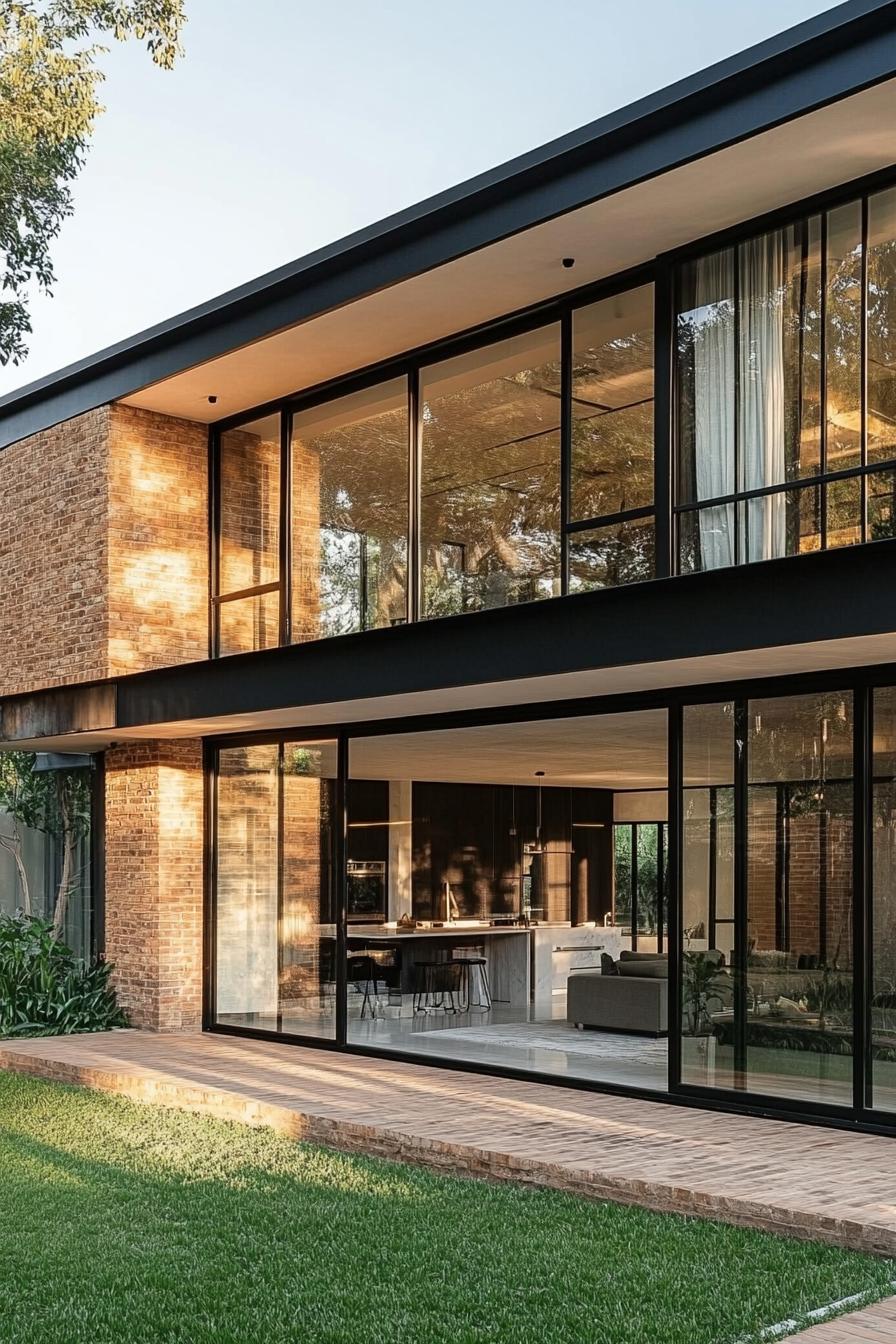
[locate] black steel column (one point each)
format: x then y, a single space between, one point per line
566 343
861 896
340 846
415 560
675 824
741 872
210 884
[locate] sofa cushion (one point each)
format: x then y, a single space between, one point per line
608 965
657 969
626 955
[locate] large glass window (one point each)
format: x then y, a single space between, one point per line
275 931
882 989
248 598
777 440
611 462
767 897
488 918
490 476
708 968
532 478
799 899
350 513
46 804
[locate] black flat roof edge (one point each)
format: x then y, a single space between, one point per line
809 42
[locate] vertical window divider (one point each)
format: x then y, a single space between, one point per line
633 886
214 515
664 306
675 784
286 526
741 813
340 846
660 884
737 395
861 901
210 871
566 353
823 380
415 441
863 371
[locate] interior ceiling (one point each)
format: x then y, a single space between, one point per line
609 751
821 150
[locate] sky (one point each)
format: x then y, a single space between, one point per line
290 123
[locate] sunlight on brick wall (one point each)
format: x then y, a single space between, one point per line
154 881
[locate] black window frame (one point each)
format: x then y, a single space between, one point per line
859 192
409 366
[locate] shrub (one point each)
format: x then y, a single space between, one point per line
45 989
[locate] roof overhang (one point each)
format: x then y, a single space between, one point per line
799 114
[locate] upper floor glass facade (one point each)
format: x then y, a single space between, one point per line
531 463
786 389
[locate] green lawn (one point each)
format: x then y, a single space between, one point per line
121 1222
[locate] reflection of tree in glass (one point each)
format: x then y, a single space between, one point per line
490 492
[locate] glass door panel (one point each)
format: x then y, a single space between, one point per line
707 925
882 987
275 934
308 915
246 895
798 1005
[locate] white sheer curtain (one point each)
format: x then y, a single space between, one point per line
713 349
762 275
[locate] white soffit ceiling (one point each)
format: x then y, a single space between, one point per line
824 655
821 150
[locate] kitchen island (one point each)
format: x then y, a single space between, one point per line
506 949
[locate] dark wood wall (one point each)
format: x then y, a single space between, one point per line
464 834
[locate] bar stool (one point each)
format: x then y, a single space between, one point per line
437 986
361 973
469 966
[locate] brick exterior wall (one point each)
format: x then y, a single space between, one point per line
157 527
154 846
103 546
54 556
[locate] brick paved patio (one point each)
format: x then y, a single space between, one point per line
872 1325
802 1180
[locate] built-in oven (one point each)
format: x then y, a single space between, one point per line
366 891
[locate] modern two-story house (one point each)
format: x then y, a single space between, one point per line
476 642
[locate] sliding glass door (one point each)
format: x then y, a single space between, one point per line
767 1003
275 888
757 894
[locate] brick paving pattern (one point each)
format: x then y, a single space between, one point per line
802 1180
871 1325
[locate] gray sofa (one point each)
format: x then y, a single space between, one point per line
633 997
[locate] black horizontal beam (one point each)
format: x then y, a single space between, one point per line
841 51
827 595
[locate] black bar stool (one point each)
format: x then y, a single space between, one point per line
437 986
469 965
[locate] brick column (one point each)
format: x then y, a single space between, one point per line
154 843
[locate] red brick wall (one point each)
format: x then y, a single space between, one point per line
157 541
804 871
154 846
103 549
54 556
